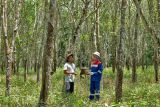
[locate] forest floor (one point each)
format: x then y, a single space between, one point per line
144 93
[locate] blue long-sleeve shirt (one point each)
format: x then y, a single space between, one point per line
97 69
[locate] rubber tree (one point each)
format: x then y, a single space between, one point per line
120 53
7 48
153 22
47 57
114 36
134 53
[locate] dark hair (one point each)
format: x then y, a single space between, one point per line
68 57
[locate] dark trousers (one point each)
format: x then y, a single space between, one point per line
69 87
94 90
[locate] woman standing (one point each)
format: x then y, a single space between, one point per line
96 75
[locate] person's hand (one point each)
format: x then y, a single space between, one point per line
75 73
91 73
87 73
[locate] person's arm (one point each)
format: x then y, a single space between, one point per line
90 71
66 72
100 68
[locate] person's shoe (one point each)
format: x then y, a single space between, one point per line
91 98
97 98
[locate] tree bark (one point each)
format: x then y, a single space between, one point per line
7 49
152 20
92 43
25 62
54 64
128 40
15 32
35 33
156 68
55 48
120 57
156 59
1 28
39 63
158 9
47 67
97 33
35 64
134 56
17 65
114 36
38 72
40 53
143 53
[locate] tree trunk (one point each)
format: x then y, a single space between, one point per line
7 49
128 63
156 68
54 52
38 72
134 56
15 32
114 36
155 57
128 59
94 39
143 53
158 9
17 65
25 69
54 62
120 57
40 54
96 3
35 65
92 43
156 62
35 33
128 43
1 29
47 67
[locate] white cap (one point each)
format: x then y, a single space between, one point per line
97 54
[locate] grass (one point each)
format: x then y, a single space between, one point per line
144 93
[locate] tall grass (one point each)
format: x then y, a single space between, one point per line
144 93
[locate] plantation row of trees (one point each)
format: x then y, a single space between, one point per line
37 34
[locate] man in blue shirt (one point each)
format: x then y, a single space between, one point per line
96 75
